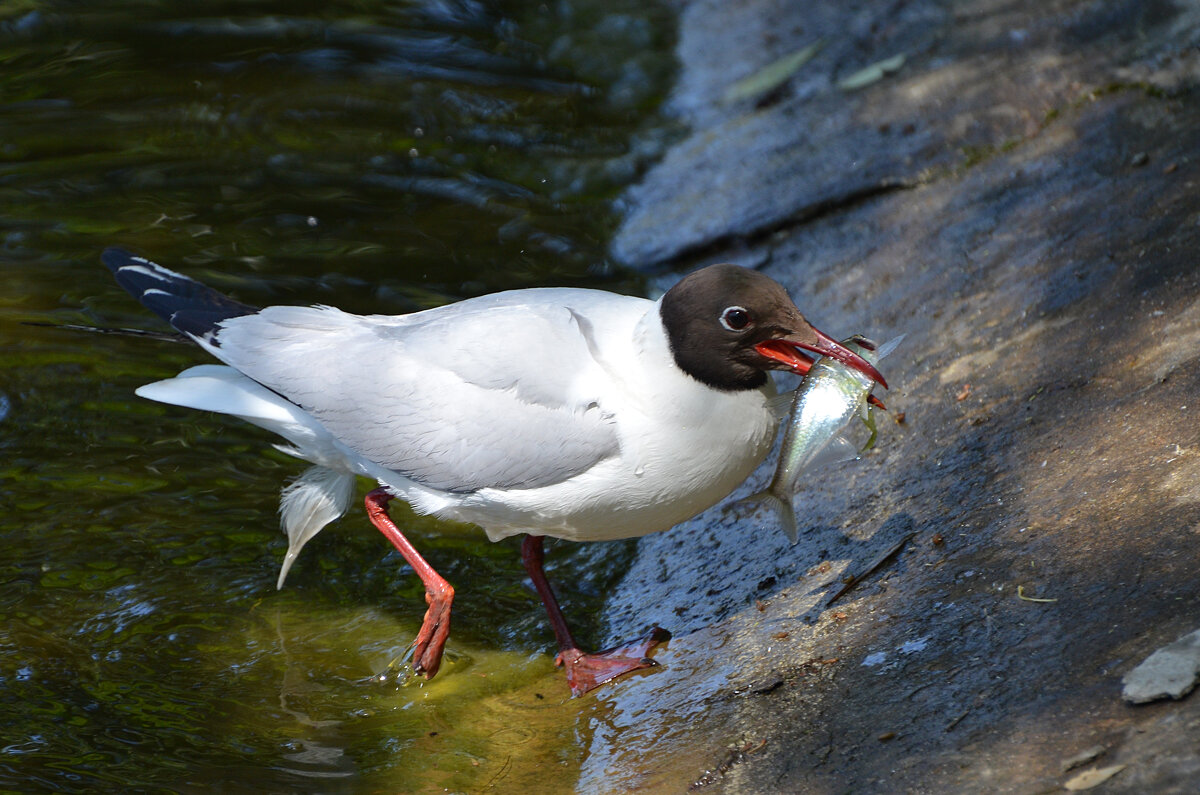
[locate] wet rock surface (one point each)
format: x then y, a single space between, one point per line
1020 198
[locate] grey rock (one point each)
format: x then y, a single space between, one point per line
1170 672
1025 254
977 77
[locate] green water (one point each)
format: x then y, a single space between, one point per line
379 156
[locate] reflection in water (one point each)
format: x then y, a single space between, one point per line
492 718
317 758
381 157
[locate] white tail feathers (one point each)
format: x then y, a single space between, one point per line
215 387
782 509
314 499
310 502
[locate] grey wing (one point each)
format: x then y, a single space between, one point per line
457 401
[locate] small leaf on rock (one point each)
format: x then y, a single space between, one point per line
771 76
872 74
1091 778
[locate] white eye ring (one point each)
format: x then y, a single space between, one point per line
735 318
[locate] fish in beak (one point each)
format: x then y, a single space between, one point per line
787 351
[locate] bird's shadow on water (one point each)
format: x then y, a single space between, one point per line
882 553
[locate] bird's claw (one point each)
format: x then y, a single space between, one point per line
430 642
586 672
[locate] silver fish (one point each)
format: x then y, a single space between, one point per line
830 396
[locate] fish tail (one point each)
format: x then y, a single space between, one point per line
782 509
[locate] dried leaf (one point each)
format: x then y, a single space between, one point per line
771 76
872 74
1091 778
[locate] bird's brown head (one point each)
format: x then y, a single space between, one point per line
727 325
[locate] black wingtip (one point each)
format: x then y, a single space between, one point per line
185 303
116 258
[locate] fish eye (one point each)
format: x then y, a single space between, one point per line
735 318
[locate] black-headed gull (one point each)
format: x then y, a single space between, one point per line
573 413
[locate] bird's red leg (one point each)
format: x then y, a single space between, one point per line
431 640
585 671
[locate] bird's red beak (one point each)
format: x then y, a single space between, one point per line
784 350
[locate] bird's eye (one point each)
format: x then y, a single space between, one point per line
735 318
